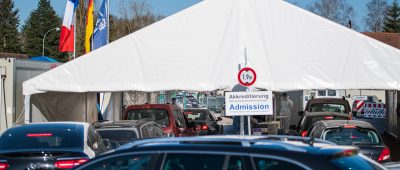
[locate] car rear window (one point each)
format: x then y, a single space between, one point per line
357 162
118 135
160 116
321 107
196 114
41 139
352 136
312 119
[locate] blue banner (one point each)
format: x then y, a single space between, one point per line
100 35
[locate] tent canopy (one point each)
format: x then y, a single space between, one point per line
200 48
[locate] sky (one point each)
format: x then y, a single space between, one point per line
169 7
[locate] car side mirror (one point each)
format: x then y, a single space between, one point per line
219 118
110 144
301 113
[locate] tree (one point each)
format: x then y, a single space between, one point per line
135 14
40 21
376 15
392 20
335 10
9 22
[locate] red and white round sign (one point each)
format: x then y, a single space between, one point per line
247 76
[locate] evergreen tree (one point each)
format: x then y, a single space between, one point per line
392 20
41 20
9 22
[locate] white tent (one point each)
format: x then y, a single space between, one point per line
200 48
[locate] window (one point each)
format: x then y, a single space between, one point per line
180 161
321 93
322 107
134 162
236 163
178 115
42 138
331 92
121 136
273 164
351 136
160 116
355 162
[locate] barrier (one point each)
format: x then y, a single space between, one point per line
374 110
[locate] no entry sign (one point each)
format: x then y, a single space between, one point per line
247 76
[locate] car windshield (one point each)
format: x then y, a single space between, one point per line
197 115
322 107
41 139
118 135
351 136
160 116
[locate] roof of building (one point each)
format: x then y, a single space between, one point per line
392 39
13 55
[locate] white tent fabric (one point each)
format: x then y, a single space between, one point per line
200 48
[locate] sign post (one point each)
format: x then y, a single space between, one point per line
247 103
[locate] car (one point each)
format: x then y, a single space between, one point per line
206 121
125 131
352 132
232 152
169 116
321 109
56 145
310 118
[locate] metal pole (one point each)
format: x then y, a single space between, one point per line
27 105
249 125
108 21
44 37
75 35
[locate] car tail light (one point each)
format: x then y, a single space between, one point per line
345 153
70 163
328 117
39 134
385 155
349 126
4 165
304 133
204 127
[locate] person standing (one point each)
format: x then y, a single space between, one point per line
286 112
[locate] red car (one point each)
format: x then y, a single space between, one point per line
170 117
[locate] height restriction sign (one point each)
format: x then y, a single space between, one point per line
247 76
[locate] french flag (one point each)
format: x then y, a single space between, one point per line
67 29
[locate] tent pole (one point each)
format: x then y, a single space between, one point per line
27 105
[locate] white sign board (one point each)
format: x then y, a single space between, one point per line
364 98
248 103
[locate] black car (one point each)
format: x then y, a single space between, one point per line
60 145
232 152
205 121
310 118
125 131
351 132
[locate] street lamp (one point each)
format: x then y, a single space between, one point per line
44 37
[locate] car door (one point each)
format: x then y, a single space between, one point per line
181 123
205 160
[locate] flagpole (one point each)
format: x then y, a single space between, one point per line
108 21
74 33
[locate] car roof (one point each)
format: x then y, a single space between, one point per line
150 106
50 125
195 109
121 123
317 114
328 100
237 143
339 123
